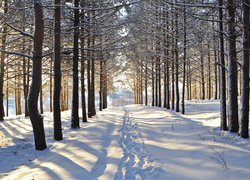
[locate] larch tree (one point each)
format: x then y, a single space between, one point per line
244 118
232 68
2 62
35 117
75 92
57 72
223 111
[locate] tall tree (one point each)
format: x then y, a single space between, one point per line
57 72
244 119
177 105
223 110
75 96
84 113
232 69
35 117
184 59
2 62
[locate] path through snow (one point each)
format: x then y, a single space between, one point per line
132 142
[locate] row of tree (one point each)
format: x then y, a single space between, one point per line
42 53
194 50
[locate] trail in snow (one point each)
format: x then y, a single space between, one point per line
131 142
136 163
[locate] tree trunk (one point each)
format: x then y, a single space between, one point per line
93 110
4 36
101 86
25 87
244 118
209 73
41 99
232 69
165 83
141 83
156 82
173 81
7 91
168 85
35 117
167 65
215 65
105 85
177 108
28 82
153 84
202 77
223 111
75 97
159 81
25 76
146 83
184 61
89 67
57 72
189 80
50 88
84 113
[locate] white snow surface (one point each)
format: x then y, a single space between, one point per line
131 142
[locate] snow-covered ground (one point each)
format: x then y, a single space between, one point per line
131 142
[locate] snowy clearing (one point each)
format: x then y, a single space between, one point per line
131 142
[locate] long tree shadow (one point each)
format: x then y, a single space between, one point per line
68 156
186 148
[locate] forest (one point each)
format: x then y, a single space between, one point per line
124 89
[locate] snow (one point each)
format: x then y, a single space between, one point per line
130 142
